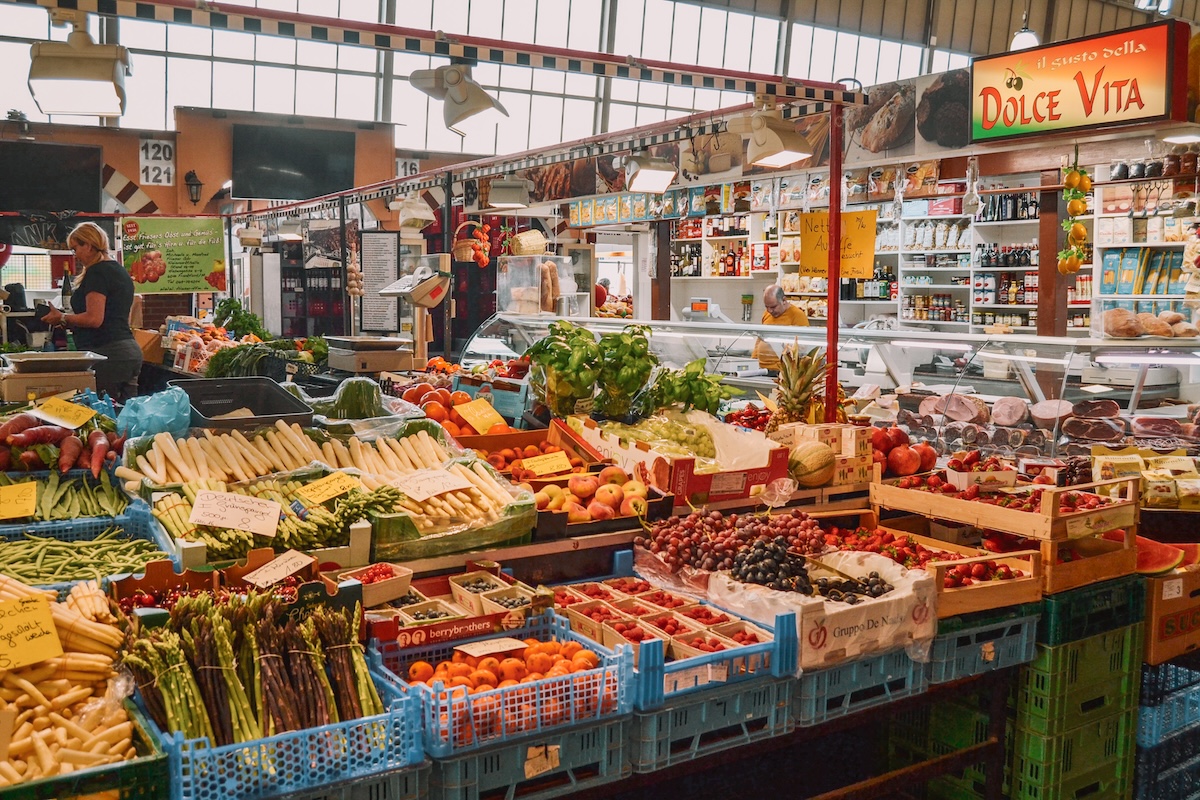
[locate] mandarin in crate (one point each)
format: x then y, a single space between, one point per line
420 671
434 411
512 669
489 663
486 711
451 428
459 397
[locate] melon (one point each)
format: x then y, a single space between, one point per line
1153 558
1191 553
811 464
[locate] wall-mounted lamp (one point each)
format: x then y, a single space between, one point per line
194 186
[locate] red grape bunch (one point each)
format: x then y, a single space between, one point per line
710 540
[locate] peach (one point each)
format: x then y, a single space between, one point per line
611 495
903 460
557 502
542 500
600 510
634 506
531 450
577 513
614 475
497 461
509 454
583 486
525 486
635 488
570 498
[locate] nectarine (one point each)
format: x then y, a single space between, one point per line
611 495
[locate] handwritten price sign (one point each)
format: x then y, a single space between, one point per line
27 633
236 511
18 501
549 464
59 412
426 483
330 486
279 568
480 415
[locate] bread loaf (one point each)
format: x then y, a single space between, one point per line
1185 329
1153 326
1170 317
1122 324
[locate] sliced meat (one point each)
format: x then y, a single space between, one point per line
1098 430
984 437
1017 437
1189 429
1009 411
1156 427
1035 438
1048 413
928 421
929 406
964 408
1094 409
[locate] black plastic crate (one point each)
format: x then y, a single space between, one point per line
1154 762
266 399
1160 680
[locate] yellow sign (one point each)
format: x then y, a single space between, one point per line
480 415
18 500
27 633
60 412
548 464
1133 75
858 244
237 511
279 568
330 486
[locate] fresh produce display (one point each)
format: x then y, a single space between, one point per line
564 366
974 462
302 526
770 563
609 494
750 416
240 667
671 626
600 614
1029 499
440 367
705 615
355 398
894 452
811 464
911 554
511 601
508 459
712 540
44 560
376 573
34 444
233 316
625 365
69 710
242 360
514 368
800 389
1153 558
440 405
564 598
671 433
710 645
633 631
665 599
59 499
629 586
596 591
688 388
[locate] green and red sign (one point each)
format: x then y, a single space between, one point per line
174 255
1137 75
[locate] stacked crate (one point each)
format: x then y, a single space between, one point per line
1168 736
1076 702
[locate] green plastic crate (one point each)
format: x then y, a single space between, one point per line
1112 781
1052 714
1044 760
1092 660
1089 610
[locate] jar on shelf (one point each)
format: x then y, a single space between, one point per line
1119 170
1187 161
1137 169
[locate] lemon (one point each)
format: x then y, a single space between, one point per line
1077 208
1071 179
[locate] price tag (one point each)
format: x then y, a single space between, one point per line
60 412
278 568
236 511
27 633
330 486
18 500
8 719
491 646
426 483
728 483
1172 589
540 759
480 415
548 464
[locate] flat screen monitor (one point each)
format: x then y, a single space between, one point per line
282 163
41 176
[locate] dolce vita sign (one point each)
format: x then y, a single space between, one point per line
1119 78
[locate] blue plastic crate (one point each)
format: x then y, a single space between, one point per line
300 761
1176 711
456 723
510 396
402 784
701 723
1160 680
657 680
555 764
1152 763
862 684
12 530
982 648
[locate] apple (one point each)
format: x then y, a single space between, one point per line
577 513
614 475
611 495
542 500
635 488
634 506
583 486
599 510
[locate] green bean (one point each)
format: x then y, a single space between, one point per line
41 560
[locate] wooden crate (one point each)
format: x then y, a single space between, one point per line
1048 523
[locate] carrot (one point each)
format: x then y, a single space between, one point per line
69 452
116 442
42 434
5 458
17 424
99 444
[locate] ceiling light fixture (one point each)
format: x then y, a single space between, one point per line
645 173
1162 7
78 76
775 142
509 193
461 96
1024 38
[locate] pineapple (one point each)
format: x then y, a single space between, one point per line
800 389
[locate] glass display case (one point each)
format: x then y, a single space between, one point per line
1012 394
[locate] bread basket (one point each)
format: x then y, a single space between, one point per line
527 243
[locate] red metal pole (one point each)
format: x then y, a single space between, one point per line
834 285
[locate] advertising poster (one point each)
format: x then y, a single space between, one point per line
943 114
884 127
174 255
858 244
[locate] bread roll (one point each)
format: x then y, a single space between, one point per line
1170 317
1154 326
1121 324
1185 329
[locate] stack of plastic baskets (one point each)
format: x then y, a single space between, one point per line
1168 740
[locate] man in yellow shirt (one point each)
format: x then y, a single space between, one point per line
779 311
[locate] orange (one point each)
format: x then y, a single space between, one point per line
552 712
489 663
504 684
539 662
467 430
550 648
420 671
481 687
460 657
460 670
569 649
412 395
458 680
561 668
434 410
586 659
442 396
499 427
486 711
483 676
457 418
458 398
451 428
512 669
532 677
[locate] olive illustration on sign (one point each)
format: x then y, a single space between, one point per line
1014 80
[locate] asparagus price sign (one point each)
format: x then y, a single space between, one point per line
236 511
330 486
279 568
64 414
426 483
27 633
18 500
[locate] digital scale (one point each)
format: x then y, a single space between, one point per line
701 309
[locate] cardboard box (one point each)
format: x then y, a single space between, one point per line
915 208
1172 615
17 387
849 470
947 206
846 440
370 360
151 344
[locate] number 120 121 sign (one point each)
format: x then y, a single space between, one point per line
156 162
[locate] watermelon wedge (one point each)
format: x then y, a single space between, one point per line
1191 553
1153 558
